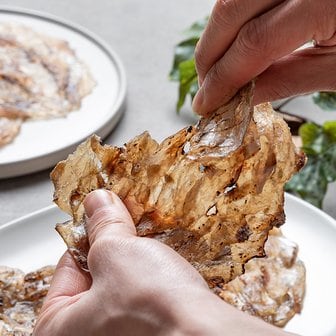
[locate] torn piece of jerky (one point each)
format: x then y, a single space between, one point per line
273 287
21 299
211 192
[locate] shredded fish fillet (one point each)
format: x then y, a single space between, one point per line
21 299
40 76
212 191
271 288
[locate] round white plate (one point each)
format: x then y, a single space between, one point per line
41 144
31 242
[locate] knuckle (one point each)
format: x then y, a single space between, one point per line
324 19
200 58
105 216
225 12
222 80
217 74
253 39
107 247
105 244
101 219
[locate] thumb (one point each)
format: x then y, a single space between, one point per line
107 216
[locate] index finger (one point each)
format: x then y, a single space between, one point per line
259 44
227 17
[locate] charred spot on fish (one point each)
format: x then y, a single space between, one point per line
208 169
301 161
243 233
136 168
189 129
279 220
216 281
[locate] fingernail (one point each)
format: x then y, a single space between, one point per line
198 100
97 199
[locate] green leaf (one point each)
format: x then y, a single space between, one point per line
329 163
319 143
326 100
188 82
310 183
183 69
184 51
197 28
329 128
308 133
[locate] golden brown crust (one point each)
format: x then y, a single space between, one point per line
212 192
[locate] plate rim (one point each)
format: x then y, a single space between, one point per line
28 216
48 159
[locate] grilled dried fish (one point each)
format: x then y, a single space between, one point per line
40 76
11 284
18 320
211 192
271 288
21 299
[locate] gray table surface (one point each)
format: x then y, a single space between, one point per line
143 33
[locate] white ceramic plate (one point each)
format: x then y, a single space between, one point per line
31 242
41 144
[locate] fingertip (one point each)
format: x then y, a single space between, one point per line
198 103
107 214
97 199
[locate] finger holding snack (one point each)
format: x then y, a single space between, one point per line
246 39
124 295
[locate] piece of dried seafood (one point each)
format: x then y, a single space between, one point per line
21 299
41 77
271 288
212 191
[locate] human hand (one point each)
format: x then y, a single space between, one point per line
247 38
139 286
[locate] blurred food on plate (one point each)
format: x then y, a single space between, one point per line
41 77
